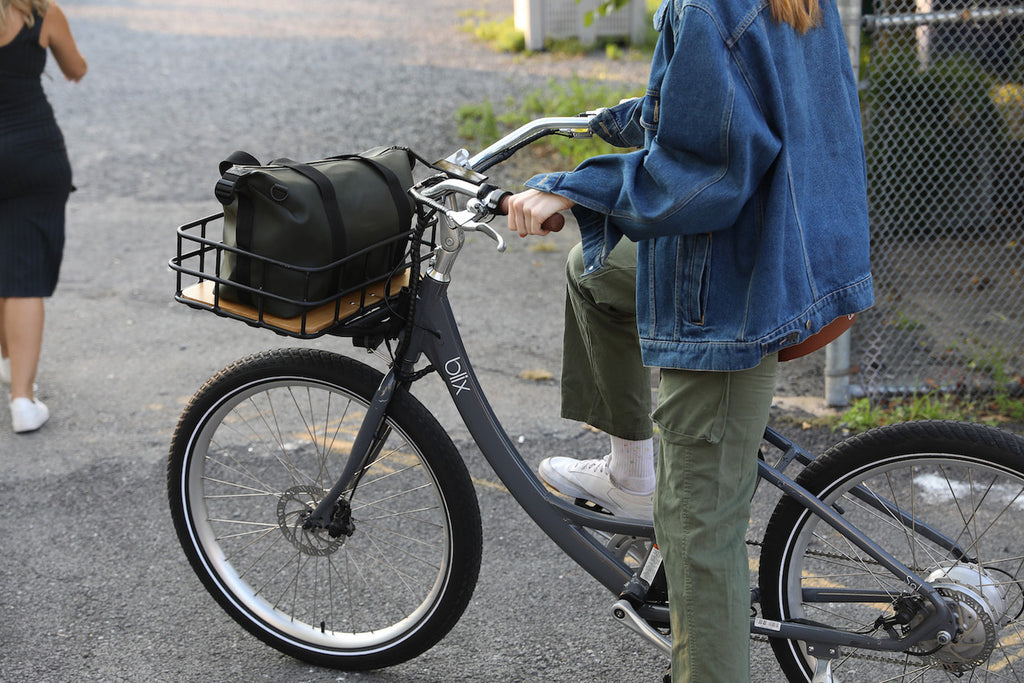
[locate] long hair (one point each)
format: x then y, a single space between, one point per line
802 15
27 8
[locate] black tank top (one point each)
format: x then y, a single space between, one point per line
22 62
32 154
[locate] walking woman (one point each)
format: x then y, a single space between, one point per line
35 181
739 227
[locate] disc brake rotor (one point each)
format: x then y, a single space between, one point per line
293 506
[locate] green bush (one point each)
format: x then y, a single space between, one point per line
501 35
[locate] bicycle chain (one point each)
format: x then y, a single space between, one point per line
835 556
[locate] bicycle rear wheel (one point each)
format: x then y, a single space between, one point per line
258 447
947 500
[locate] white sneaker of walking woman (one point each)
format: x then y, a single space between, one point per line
28 415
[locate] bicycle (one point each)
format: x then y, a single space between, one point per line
329 513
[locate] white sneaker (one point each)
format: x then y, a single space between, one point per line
28 415
590 480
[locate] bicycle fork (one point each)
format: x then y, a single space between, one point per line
334 513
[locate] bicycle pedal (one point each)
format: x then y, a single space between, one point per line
588 505
591 506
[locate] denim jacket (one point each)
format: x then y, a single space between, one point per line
748 193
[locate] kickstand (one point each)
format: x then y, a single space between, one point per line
823 671
823 668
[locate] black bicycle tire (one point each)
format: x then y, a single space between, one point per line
903 440
439 454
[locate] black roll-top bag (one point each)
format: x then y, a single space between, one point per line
322 218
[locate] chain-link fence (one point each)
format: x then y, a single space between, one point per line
944 130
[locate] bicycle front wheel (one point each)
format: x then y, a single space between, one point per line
947 500
255 451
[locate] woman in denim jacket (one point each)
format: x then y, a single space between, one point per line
745 217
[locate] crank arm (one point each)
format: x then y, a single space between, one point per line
624 613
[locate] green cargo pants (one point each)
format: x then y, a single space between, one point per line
710 426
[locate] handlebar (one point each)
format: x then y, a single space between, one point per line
569 126
489 200
460 175
464 171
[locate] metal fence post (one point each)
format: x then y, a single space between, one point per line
837 354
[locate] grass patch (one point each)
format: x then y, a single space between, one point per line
482 122
999 408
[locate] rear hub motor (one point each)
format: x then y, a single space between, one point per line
980 602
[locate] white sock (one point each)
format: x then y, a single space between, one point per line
632 465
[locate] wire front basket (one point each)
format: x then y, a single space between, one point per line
370 306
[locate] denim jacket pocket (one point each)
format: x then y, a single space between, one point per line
651 110
693 262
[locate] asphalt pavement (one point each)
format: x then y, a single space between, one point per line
94 586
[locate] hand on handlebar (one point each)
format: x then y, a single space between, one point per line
533 212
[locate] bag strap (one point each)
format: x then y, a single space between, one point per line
398 193
224 191
238 158
339 240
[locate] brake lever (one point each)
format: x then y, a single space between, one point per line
469 220
492 233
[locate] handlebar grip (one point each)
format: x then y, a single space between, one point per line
553 223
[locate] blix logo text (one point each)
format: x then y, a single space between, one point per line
457 377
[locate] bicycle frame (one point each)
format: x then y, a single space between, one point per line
435 336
